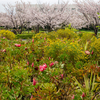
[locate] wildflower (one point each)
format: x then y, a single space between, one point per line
43 67
17 45
62 76
83 95
49 58
4 50
51 64
32 64
92 52
87 52
73 97
4 37
56 62
31 96
33 40
34 82
27 63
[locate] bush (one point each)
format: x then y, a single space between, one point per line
8 34
24 36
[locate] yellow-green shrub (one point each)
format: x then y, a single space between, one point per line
86 36
8 34
66 33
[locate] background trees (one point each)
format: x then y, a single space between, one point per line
88 14
50 17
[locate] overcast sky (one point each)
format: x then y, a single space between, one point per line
32 1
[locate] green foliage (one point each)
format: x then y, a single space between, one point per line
24 36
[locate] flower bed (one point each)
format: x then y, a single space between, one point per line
55 65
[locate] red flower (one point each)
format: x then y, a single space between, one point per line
92 52
17 45
49 58
4 50
87 52
34 82
51 64
33 40
83 95
26 48
62 76
32 64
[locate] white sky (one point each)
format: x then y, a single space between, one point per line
33 2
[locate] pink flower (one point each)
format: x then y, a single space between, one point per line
83 95
92 52
49 58
4 37
34 82
62 76
33 40
4 50
31 96
32 64
73 97
51 64
27 63
17 45
87 52
56 62
43 67
44 38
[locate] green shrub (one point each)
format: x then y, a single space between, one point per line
8 34
24 36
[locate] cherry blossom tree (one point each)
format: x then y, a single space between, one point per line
17 15
87 15
46 16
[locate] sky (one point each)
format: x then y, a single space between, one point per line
31 1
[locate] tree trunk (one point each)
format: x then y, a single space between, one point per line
37 29
96 31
